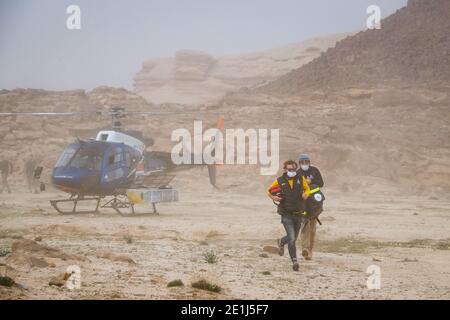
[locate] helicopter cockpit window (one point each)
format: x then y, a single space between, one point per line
66 156
87 158
116 157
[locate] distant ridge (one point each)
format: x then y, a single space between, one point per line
411 49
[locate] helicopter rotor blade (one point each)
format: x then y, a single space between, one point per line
103 113
11 114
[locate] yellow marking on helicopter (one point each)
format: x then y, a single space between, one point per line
134 198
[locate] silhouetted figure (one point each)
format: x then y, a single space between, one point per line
33 183
6 168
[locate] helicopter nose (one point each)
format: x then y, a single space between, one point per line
89 181
74 179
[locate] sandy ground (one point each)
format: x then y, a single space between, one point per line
408 238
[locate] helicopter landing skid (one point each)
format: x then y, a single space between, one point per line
118 204
75 202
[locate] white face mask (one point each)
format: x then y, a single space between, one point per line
305 167
291 174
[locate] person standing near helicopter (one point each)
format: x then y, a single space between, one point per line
6 168
30 165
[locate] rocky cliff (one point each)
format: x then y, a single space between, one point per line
197 77
412 49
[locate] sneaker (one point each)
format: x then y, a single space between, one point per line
280 248
306 255
295 266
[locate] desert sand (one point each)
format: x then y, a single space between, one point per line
387 205
380 139
136 257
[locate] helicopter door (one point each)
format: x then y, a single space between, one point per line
115 168
128 161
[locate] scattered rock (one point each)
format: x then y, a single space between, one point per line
409 260
375 259
264 255
271 249
38 239
321 130
113 257
30 246
56 282
36 210
358 94
32 261
21 286
37 262
214 234
60 280
33 254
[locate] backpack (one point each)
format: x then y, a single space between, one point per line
314 203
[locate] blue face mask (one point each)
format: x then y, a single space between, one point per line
291 174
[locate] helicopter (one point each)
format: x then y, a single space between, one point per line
114 164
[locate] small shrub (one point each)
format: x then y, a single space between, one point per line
443 246
4 252
205 285
175 283
128 239
12 234
210 257
6 281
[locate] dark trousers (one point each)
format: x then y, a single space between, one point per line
5 183
292 224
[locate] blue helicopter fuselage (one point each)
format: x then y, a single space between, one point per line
96 168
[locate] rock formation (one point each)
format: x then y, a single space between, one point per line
410 50
197 77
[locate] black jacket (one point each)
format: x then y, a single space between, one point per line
292 202
312 173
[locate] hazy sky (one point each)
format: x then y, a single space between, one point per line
38 51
